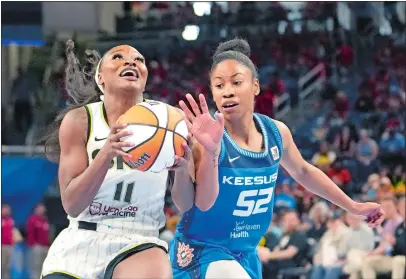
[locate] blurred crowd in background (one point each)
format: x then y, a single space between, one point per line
356 133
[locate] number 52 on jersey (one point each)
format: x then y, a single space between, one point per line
249 200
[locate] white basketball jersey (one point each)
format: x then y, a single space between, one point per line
127 199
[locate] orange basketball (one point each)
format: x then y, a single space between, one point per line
158 133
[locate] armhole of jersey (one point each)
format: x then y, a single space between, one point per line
275 131
170 180
89 123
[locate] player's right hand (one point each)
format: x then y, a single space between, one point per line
114 144
181 163
204 128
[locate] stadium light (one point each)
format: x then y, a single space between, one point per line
202 8
191 32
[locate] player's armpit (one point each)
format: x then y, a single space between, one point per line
291 160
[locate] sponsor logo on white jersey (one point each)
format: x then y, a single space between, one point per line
97 208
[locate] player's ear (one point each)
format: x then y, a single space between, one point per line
257 87
100 79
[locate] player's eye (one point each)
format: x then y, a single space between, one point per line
117 56
219 86
140 59
237 83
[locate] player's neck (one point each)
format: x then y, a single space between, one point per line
241 129
117 105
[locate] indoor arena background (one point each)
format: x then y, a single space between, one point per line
334 72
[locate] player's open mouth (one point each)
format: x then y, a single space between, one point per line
229 105
129 74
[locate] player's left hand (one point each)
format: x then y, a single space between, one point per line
371 212
181 163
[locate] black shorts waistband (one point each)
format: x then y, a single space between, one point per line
89 226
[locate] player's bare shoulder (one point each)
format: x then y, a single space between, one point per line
75 124
284 130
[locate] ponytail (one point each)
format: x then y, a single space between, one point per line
82 90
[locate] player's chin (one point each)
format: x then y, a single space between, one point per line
230 114
133 87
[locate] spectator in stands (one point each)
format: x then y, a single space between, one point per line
345 143
370 188
394 258
23 89
392 221
38 239
398 179
359 237
366 149
316 223
285 199
327 261
7 241
277 86
367 86
365 102
392 145
341 106
271 238
345 57
340 175
291 249
385 188
264 102
324 157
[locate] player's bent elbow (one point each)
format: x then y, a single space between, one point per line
206 201
70 208
204 206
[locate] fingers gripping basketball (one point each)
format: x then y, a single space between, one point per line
158 131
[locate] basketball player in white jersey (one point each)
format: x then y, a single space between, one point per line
115 212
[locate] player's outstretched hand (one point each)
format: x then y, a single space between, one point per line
204 128
181 163
114 144
371 212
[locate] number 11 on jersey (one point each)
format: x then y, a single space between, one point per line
253 206
128 191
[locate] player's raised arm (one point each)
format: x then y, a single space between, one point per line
79 182
319 183
208 133
183 192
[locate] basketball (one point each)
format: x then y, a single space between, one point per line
158 133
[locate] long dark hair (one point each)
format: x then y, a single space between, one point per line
82 90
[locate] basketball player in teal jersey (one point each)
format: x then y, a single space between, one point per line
236 160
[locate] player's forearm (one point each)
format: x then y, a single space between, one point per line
81 190
183 192
319 183
207 186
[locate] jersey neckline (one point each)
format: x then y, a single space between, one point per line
249 153
104 113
